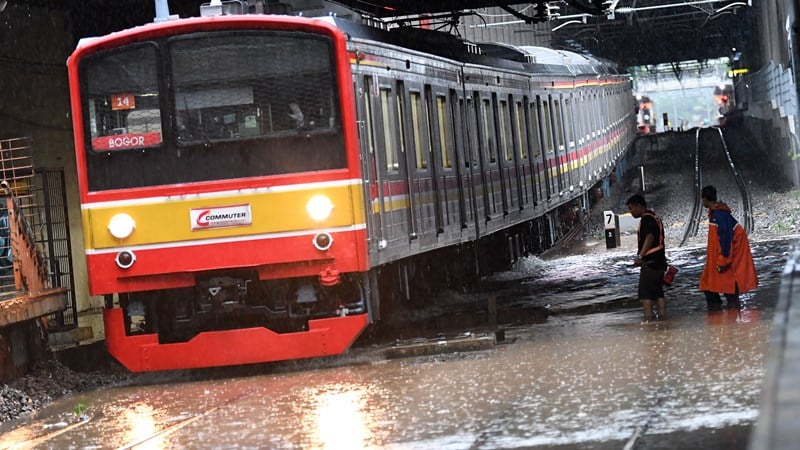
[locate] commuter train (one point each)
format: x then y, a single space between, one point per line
257 188
645 121
723 96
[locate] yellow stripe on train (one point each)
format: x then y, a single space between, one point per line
168 220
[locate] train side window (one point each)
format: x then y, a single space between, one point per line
519 129
420 152
594 118
388 135
401 117
583 110
472 129
445 137
122 100
547 127
533 129
559 123
570 122
488 142
369 84
504 121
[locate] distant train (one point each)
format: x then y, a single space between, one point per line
723 96
645 122
258 188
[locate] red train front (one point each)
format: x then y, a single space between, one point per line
220 184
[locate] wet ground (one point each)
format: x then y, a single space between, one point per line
577 369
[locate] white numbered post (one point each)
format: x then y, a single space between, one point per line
611 229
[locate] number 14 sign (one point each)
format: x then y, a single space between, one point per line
123 101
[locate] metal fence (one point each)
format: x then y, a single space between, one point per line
40 196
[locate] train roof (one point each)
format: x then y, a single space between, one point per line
525 58
543 56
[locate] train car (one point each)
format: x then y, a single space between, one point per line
645 122
258 188
723 96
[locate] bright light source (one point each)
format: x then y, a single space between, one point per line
319 207
121 226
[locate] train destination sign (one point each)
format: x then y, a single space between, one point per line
126 141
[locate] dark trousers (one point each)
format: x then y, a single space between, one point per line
714 301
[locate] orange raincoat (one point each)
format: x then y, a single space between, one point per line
729 262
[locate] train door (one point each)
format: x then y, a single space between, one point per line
586 133
465 213
522 153
598 133
473 158
488 156
505 148
608 137
548 153
397 186
437 189
394 184
444 159
570 147
534 149
417 160
560 147
580 142
406 166
366 93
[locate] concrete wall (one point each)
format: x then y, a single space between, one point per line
771 112
34 102
774 42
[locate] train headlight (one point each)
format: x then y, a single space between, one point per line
121 226
319 207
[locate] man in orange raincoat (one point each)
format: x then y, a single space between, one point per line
729 266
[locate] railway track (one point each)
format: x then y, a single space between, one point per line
714 165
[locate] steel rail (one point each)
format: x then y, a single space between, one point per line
747 202
695 214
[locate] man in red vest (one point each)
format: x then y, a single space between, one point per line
650 257
729 266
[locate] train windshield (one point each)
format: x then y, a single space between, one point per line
209 106
123 102
229 87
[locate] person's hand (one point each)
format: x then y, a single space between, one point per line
721 269
637 261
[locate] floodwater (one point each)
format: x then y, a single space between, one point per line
585 374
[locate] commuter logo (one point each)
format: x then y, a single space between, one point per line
220 217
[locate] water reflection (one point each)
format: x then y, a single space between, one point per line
337 419
574 380
139 426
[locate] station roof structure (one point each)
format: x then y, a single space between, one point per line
628 32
